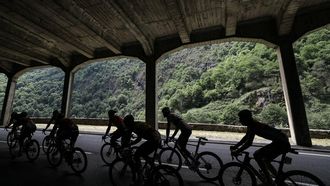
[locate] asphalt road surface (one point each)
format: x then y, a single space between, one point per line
21 172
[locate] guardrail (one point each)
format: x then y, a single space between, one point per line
314 133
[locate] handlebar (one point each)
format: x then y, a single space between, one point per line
202 138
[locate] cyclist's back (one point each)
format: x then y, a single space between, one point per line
142 131
56 118
181 125
67 130
119 123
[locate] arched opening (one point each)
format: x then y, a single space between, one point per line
3 84
312 54
113 83
39 91
211 83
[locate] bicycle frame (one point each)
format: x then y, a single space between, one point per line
199 142
279 172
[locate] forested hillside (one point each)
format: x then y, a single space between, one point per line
206 84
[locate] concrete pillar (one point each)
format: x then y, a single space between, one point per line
67 93
151 97
8 101
293 96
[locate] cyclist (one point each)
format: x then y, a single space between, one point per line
67 129
28 127
143 131
181 125
56 117
263 156
119 123
13 121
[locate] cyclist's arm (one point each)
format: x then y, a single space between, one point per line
168 130
245 143
49 122
108 129
9 124
137 140
175 132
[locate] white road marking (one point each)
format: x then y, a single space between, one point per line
313 154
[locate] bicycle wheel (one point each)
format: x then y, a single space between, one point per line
298 177
54 156
121 173
14 148
171 157
79 160
32 149
46 142
235 173
208 165
107 153
165 175
10 139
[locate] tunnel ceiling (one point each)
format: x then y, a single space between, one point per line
65 33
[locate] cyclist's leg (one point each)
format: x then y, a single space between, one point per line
265 155
114 137
60 136
73 138
182 143
24 134
143 151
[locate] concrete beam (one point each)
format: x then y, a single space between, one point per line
20 35
151 94
130 25
30 20
293 95
176 13
8 102
67 93
69 12
232 9
287 16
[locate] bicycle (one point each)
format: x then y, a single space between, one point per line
109 152
11 136
243 173
74 156
47 141
30 147
206 164
123 171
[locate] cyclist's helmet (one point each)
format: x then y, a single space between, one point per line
245 114
111 112
129 120
166 111
14 115
55 113
23 114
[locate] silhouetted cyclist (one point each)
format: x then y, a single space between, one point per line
263 156
67 129
119 123
56 117
28 127
181 125
13 121
143 131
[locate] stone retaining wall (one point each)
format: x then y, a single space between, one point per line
196 126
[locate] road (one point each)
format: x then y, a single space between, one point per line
21 172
